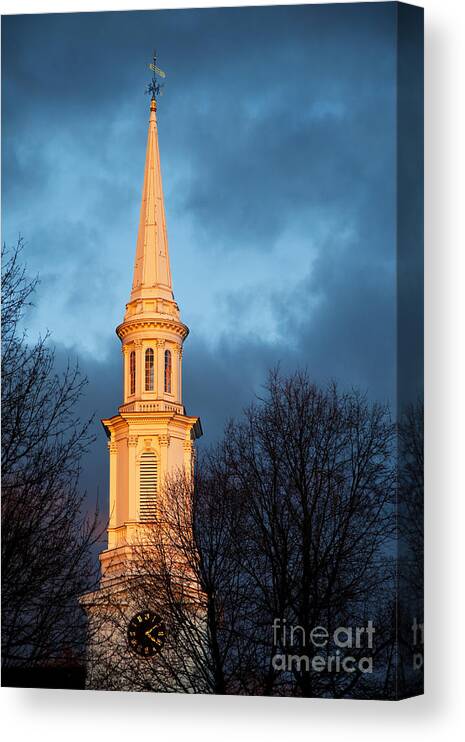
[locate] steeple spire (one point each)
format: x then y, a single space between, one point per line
151 438
152 274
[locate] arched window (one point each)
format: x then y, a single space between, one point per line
148 487
168 371
132 372
149 369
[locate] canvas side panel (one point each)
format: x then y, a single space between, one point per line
409 613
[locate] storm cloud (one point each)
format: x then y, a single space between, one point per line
278 139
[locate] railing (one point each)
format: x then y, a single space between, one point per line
159 406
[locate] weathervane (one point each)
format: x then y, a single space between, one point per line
154 88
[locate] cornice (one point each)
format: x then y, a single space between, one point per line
144 417
136 325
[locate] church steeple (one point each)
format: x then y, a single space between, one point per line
151 437
152 333
152 274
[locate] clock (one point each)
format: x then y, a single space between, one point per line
146 633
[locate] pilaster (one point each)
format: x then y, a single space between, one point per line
160 354
139 380
125 352
132 492
164 442
113 449
188 457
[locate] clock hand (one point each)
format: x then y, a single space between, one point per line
155 641
149 634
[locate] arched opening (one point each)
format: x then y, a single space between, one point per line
168 371
132 372
149 369
148 487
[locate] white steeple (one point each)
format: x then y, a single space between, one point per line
152 274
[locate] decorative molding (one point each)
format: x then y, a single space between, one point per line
112 446
166 418
135 325
164 440
132 440
155 407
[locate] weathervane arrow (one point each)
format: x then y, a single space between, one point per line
154 88
157 70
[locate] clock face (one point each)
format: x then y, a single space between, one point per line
146 633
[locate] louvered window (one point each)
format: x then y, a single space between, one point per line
148 487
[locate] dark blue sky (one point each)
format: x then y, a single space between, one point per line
278 141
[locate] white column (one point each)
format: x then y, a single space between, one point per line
164 442
125 352
132 479
160 356
139 367
175 379
180 376
113 521
188 457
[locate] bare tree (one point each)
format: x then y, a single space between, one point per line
410 515
187 569
316 469
46 539
411 491
290 517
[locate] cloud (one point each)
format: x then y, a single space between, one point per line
278 143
